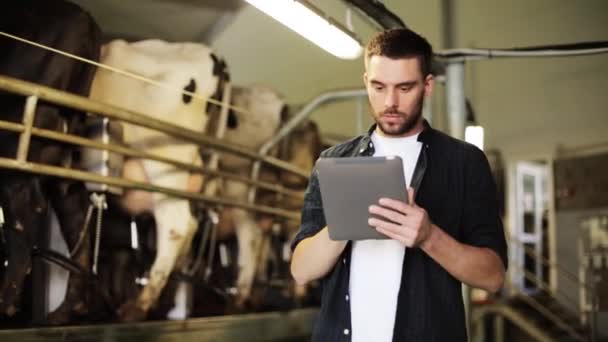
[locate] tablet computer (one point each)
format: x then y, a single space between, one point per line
350 185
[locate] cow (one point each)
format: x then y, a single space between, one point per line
261 118
24 197
182 67
264 113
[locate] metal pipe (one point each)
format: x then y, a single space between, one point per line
559 268
28 121
303 114
211 186
456 109
11 126
75 140
84 104
455 98
119 182
477 54
378 12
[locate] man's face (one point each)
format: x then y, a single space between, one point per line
396 89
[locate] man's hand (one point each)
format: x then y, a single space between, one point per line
406 223
410 224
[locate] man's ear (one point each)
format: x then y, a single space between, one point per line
429 85
365 78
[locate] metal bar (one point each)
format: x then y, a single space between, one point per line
542 285
76 140
513 316
11 126
28 121
554 318
90 177
548 263
303 114
294 325
477 54
117 113
548 314
211 186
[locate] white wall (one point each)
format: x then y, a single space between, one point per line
531 105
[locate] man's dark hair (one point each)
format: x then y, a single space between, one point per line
401 43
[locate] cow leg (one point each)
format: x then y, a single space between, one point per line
175 228
70 201
249 238
24 209
18 266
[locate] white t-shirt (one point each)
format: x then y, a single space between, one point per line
376 265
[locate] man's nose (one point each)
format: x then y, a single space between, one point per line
392 99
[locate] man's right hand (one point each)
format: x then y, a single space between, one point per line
315 256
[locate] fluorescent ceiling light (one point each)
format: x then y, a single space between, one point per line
474 135
308 21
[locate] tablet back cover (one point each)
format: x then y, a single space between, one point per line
350 185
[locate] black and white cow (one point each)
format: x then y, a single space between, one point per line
264 113
178 66
25 197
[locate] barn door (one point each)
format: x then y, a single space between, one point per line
531 205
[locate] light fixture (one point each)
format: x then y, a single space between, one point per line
311 23
473 133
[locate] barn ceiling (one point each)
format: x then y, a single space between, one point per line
172 20
526 105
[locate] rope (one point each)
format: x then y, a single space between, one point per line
83 231
125 73
99 201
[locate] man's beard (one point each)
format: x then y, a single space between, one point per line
400 129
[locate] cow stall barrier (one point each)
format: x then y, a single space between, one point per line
34 93
293 326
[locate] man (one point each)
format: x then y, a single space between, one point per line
408 287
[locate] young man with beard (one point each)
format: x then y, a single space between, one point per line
408 287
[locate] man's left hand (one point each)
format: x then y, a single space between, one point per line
405 222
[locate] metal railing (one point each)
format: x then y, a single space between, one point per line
34 92
585 318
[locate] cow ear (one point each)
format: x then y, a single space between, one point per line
191 87
285 114
225 73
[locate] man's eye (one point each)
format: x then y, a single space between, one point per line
377 87
405 89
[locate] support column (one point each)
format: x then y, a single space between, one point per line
456 105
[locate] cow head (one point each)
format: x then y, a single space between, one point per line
176 67
220 70
253 120
301 148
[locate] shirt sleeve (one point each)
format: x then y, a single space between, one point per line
481 221
313 217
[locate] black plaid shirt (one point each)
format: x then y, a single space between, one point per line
453 183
